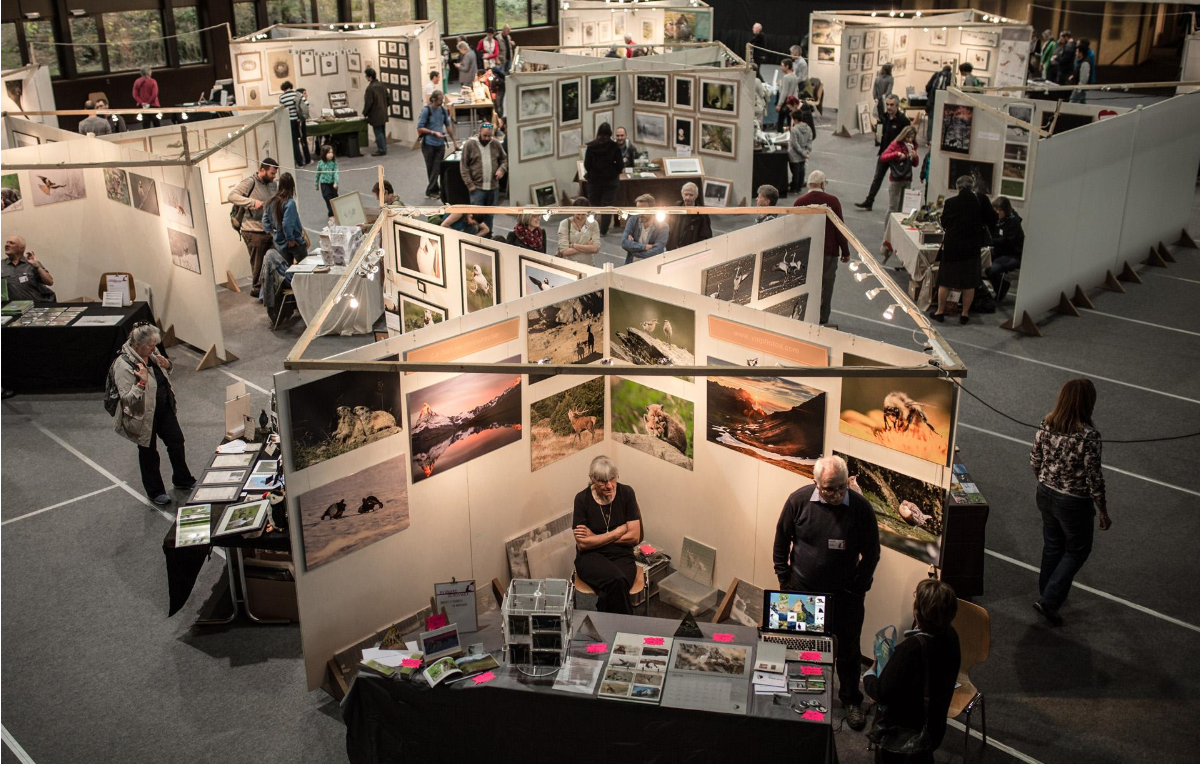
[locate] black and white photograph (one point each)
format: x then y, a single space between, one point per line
784 267
732 280
603 90
570 141
650 128
570 101
420 255
544 194
684 129
793 308
650 89
535 141
185 250
716 192
956 127
342 412
535 102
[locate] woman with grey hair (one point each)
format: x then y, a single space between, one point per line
146 410
608 524
689 229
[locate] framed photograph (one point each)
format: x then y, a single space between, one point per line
354 61
684 131
979 59
599 118
439 643
684 92
223 477
402 49
603 90
883 56
865 83
854 42
864 118
650 128
249 67
718 138
982 173
176 204
544 194
900 41
535 141
266 141
415 313
716 192
226 183
927 61
392 48
171 144
232 159
570 103
650 89
535 102
868 60
383 49
569 142
827 54
885 39
480 276
719 97
133 143
855 62
280 68
348 209
404 80
956 127
402 64
242 518
222 493
1013 189
872 40
580 171
982 39
406 112
682 166
537 276
308 63
420 254
937 36
852 81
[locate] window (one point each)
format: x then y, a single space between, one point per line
436 10
327 11
10 54
511 12
465 16
39 36
288 12
395 11
539 12
134 25
360 10
84 29
191 49
245 19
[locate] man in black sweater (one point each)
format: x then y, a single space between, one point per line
827 540
894 121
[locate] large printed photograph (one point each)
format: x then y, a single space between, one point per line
566 423
773 419
649 332
911 415
653 422
463 418
341 413
908 510
571 331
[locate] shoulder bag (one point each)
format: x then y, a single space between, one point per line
901 740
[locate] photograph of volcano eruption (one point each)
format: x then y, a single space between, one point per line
463 418
773 419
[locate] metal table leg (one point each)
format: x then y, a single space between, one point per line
232 597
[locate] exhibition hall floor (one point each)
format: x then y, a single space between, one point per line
94 671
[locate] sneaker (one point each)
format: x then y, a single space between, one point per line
856 717
186 484
863 206
1050 615
162 500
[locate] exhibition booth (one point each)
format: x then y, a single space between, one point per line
847 48
1046 157
594 26
150 203
26 90
475 430
691 111
330 64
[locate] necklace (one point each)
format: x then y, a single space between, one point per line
606 515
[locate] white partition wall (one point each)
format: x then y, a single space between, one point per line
654 23
28 89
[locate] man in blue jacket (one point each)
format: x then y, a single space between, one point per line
645 235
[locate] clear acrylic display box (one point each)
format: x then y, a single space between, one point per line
536 620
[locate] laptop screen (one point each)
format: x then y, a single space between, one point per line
795 612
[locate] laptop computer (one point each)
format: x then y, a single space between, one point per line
797 620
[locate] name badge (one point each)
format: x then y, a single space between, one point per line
22 279
837 544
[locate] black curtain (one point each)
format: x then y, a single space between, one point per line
785 22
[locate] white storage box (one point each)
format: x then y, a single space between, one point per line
677 590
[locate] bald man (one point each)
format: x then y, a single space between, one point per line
27 278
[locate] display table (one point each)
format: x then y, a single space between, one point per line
48 359
311 289
454 190
918 259
665 190
526 720
476 111
348 135
770 168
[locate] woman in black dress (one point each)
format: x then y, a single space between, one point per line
964 220
607 525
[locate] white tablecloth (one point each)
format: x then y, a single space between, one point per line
311 289
916 258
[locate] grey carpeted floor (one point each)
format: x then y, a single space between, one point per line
94 671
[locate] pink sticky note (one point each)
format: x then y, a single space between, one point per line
598 647
810 670
810 656
646 549
487 676
436 621
411 663
722 637
813 716
653 640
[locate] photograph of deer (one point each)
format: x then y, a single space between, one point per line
566 423
571 331
342 412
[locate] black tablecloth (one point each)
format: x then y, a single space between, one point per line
770 168
454 191
400 721
48 359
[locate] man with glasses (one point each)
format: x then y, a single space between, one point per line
827 541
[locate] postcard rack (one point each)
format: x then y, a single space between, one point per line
537 622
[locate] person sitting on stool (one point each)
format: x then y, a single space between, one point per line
827 541
608 524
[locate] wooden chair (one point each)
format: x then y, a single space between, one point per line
283 298
974 629
104 284
498 592
639 584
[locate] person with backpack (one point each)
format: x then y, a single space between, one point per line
434 126
140 396
248 199
901 157
915 685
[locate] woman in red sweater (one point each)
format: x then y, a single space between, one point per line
901 156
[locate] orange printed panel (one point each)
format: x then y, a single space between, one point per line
798 351
467 344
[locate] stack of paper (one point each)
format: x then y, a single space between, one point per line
768 683
770 669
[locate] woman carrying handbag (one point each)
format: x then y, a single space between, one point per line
914 687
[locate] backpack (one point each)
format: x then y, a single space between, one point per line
238 213
112 396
